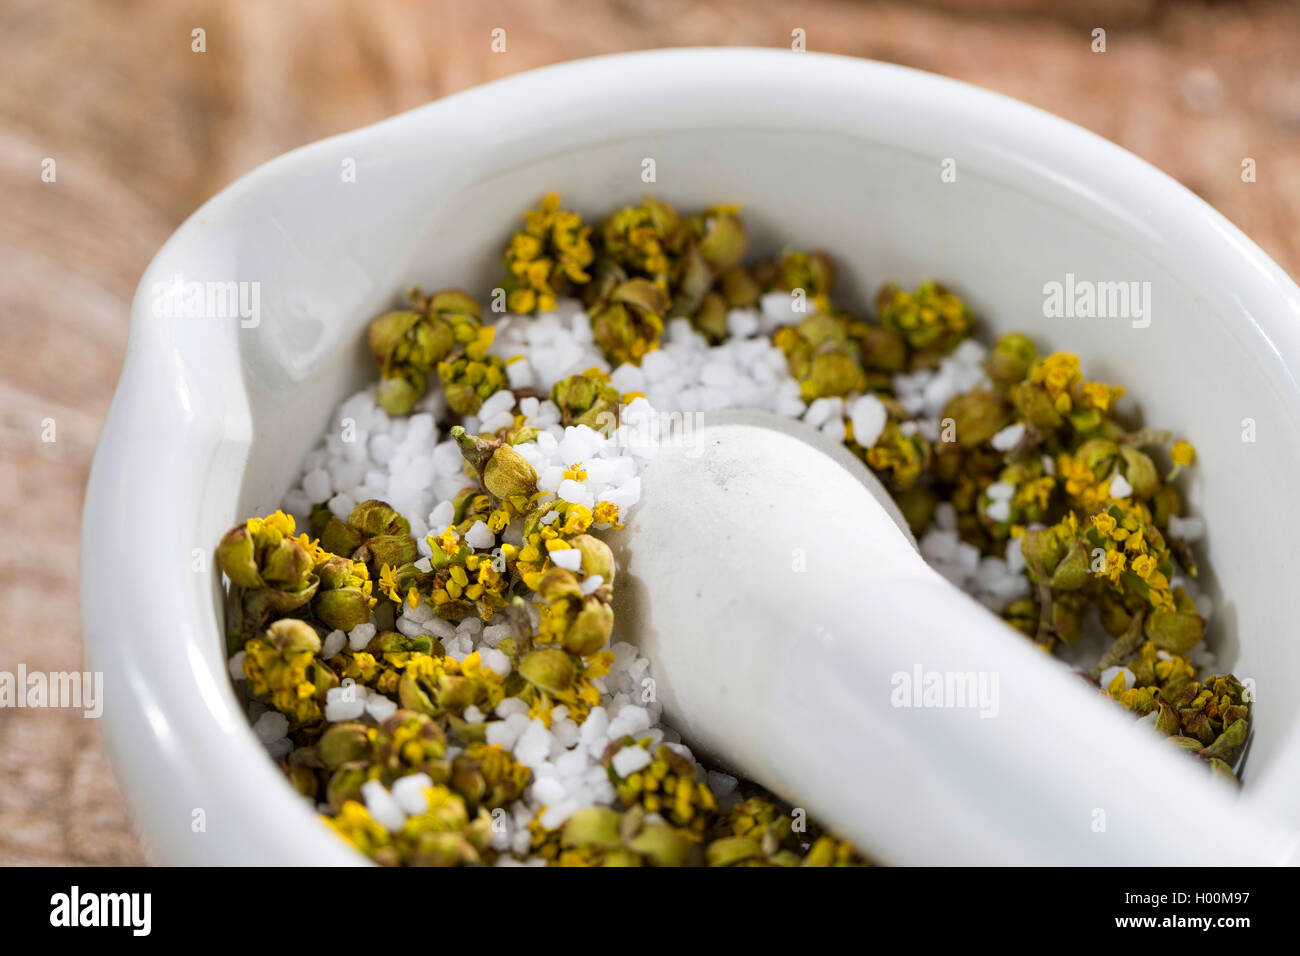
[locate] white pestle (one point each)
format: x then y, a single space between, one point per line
772 582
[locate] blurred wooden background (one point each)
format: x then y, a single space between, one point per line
142 130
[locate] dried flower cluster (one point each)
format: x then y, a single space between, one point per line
1038 457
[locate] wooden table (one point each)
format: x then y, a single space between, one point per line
142 129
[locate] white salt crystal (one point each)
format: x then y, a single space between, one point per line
1001 491
271 726
868 416
511 705
1008 438
360 636
479 536
496 661
499 733
316 485
568 558
380 707
999 510
382 806
629 760
333 643
408 792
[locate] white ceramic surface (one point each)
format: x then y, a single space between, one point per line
211 420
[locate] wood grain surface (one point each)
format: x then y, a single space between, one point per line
142 129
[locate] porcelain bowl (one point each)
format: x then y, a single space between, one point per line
899 174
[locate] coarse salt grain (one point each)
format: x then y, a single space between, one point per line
629 760
333 643
409 792
271 726
1008 438
868 416
386 811
479 536
568 558
360 636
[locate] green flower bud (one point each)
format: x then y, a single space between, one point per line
631 324
1035 405
978 416
394 550
476 452
236 556
488 776
339 538
388 330
1073 571
739 289
1167 721
375 517
1228 745
931 319
345 784
343 609
398 392
597 558
509 475
1099 454
281 664
640 239
455 693
1189 744
1174 631
590 629
833 374
586 399
813 272
1140 472
558 585
468 382
710 319
730 851
661 845
550 669
551 253
410 741
1011 359
303 780
453 303
344 743
1043 551
1066 622
290 635
504 472
722 243
882 349
593 826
